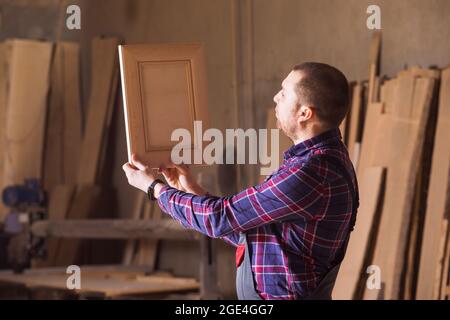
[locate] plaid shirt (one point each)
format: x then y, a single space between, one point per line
296 221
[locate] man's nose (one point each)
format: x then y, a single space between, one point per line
275 98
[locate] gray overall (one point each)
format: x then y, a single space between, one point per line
245 282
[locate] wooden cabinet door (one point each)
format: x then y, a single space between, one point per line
164 88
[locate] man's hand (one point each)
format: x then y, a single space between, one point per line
138 174
180 178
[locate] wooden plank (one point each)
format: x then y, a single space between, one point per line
60 199
115 287
162 83
445 272
368 146
406 134
442 268
148 249
4 78
112 102
54 136
85 200
63 136
102 282
437 195
141 253
26 110
113 229
103 62
72 111
136 215
411 247
374 65
417 71
356 121
353 268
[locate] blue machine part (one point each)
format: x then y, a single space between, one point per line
29 193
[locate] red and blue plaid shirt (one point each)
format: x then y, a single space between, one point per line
296 221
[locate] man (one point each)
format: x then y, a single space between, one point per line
290 231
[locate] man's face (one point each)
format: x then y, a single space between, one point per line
287 104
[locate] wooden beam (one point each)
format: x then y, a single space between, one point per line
113 229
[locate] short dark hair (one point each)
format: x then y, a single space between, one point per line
325 88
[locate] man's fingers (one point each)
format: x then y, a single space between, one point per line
137 163
184 169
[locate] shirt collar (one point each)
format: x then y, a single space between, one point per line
301 147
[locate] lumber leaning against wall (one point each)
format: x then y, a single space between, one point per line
438 197
399 143
104 65
26 110
104 62
352 267
4 53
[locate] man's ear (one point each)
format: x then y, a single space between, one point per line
305 113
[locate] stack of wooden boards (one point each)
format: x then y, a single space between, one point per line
41 126
397 140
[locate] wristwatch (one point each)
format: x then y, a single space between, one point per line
151 189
